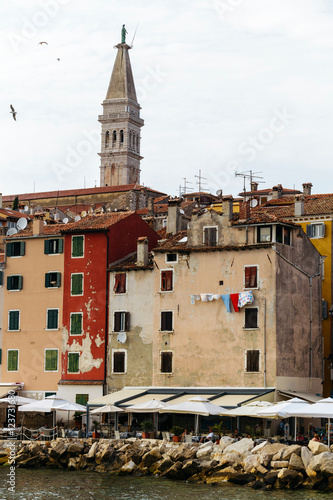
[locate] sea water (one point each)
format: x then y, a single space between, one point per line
49 484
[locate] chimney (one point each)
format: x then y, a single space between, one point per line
244 210
299 204
173 224
37 227
228 207
254 186
277 192
150 204
142 251
307 188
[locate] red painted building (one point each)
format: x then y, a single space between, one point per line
91 245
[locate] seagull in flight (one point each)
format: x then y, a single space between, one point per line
13 112
40 43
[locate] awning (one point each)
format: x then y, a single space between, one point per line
117 396
307 396
4 389
147 397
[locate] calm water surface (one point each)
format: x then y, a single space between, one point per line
53 484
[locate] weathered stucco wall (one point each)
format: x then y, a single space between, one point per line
138 301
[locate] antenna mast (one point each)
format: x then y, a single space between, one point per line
248 174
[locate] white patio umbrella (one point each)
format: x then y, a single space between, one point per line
151 406
107 409
17 400
197 406
321 409
250 409
277 409
52 403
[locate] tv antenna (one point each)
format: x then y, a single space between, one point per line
185 188
251 176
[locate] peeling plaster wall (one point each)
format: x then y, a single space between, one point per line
138 300
226 235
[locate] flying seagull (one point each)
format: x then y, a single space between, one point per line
58 59
13 112
40 43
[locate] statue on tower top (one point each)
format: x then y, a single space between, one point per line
123 34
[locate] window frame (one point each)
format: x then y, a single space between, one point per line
259 228
18 360
72 246
58 279
310 230
59 245
124 351
20 282
204 235
171 261
47 349
19 320
257 277
47 318
125 322
79 313
246 360
76 354
10 246
245 313
172 321
82 399
115 286
77 294
172 365
161 280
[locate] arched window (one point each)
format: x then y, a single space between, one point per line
107 137
137 143
114 137
130 137
121 137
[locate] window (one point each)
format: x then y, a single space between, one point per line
119 359
121 137
51 360
315 230
77 284
52 279
166 321
52 319
81 399
107 136
166 361
15 282
49 394
171 257
76 323
166 281
252 361
121 321
12 360
53 246
251 277
13 320
210 236
264 234
251 317
283 235
120 283
114 137
1 277
15 248
73 362
77 246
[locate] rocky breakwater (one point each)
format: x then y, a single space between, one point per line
266 466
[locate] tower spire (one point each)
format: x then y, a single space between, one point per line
121 124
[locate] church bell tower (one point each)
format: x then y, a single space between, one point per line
121 124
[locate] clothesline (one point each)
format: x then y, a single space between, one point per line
238 300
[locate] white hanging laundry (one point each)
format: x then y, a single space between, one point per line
192 299
197 297
210 296
204 297
216 296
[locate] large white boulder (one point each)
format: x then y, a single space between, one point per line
316 447
322 463
205 449
225 441
243 447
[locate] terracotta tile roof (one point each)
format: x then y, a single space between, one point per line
2 257
260 217
162 232
161 199
158 209
129 264
172 240
314 204
77 192
95 222
268 190
77 209
48 230
14 214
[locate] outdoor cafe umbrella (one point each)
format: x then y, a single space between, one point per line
197 406
277 410
321 409
52 403
151 406
250 409
108 409
17 400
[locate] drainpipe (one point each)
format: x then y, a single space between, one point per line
265 370
310 277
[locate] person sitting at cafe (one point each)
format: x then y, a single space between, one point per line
209 437
236 435
316 438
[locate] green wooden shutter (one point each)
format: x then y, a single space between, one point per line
20 282
22 247
58 279
47 246
76 324
12 361
9 248
77 284
9 282
60 246
73 362
14 320
47 280
81 399
77 246
0 356
52 319
51 360
117 321
1 278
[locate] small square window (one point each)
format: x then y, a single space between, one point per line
73 362
166 361
171 257
120 283
166 321
77 246
12 360
252 361
81 399
119 362
251 317
166 281
315 230
51 360
77 284
15 282
251 277
52 280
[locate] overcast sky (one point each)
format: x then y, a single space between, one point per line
225 86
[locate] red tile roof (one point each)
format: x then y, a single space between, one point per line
158 209
15 214
78 192
48 230
129 264
268 190
95 222
314 204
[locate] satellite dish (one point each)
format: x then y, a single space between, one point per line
44 222
11 231
65 220
219 192
84 214
253 202
22 223
26 209
77 218
122 337
181 211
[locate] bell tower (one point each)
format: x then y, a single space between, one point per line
121 124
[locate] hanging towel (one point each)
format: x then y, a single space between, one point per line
234 300
210 296
204 297
245 298
226 300
197 297
192 299
216 296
